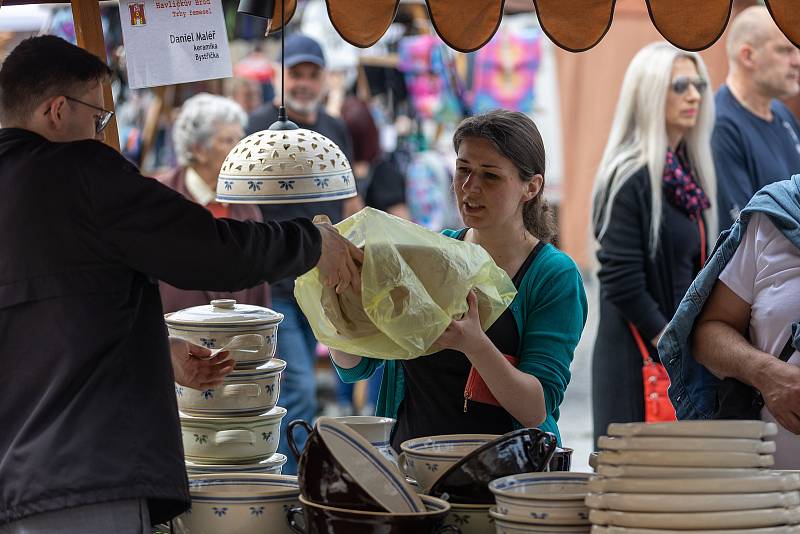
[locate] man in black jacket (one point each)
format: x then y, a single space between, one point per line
89 431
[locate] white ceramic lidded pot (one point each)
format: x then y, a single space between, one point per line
231 440
243 392
249 333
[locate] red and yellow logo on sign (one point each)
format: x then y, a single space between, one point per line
137 14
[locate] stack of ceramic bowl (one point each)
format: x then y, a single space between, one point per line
347 485
459 468
541 502
238 504
234 428
699 476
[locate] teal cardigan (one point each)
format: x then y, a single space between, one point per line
550 313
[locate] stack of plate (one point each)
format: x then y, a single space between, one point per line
699 476
541 502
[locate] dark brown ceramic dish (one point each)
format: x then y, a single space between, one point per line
322 519
322 478
561 460
522 451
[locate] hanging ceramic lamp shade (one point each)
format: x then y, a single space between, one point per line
285 167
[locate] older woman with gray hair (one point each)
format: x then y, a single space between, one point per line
207 128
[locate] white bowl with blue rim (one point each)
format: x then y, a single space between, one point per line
555 498
243 392
231 440
509 525
271 466
239 504
425 459
248 333
376 430
284 167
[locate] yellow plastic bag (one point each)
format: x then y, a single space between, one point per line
414 282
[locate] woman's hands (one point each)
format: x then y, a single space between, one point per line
466 334
193 372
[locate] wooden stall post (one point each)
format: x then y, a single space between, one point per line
89 32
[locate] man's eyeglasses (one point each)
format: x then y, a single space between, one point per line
101 120
682 83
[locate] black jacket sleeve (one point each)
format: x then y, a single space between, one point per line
155 230
623 253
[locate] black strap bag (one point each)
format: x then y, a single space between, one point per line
737 400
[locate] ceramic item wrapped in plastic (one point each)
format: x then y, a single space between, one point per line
414 282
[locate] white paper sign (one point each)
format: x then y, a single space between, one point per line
174 41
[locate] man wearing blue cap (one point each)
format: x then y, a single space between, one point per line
304 81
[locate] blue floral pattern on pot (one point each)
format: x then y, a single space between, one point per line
286 184
461 519
219 511
270 389
432 467
208 394
179 391
228 185
322 182
201 439
256 510
208 342
254 186
267 436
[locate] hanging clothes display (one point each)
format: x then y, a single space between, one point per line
504 73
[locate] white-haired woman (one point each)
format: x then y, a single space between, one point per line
652 218
207 128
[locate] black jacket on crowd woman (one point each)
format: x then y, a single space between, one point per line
638 288
87 409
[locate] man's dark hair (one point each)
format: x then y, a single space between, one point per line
40 68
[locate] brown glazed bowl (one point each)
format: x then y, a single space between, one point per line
322 478
322 519
525 450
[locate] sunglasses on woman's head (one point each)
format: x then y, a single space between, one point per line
682 83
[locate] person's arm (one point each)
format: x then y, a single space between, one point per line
157 231
720 345
519 393
623 254
735 185
352 368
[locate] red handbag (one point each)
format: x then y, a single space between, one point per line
657 406
477 390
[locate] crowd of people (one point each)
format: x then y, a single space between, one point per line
695 213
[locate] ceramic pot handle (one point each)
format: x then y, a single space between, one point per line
243 343
235 436
448 528
241 390
291 513
290 435
542 448
402 465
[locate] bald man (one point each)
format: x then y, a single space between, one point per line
756 139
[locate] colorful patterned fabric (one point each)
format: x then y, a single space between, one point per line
681 189
504 72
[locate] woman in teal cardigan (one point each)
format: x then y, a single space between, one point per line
498 183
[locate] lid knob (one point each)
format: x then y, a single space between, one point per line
225 304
